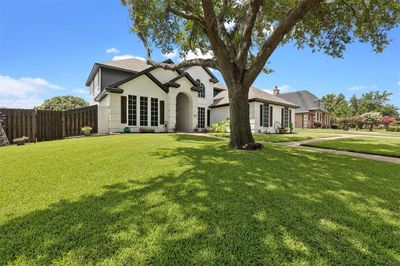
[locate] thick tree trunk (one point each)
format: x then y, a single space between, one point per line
239 117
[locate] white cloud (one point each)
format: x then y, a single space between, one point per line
285 88
171 55
81 91
357 88
198 54
25 92
282 89
112 50
28 102
22 86
126 56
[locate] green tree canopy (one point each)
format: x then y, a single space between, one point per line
61 103
336 105
373 101
242 36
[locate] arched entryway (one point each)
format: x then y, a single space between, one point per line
183 113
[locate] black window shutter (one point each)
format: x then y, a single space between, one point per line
261 115
123 109
208 117
162 116
282 118
271 116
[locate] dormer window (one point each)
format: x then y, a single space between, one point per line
202 91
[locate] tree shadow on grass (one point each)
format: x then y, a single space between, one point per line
273 206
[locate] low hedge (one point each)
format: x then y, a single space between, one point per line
146 130
393 129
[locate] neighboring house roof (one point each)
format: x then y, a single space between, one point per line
306 100
222 99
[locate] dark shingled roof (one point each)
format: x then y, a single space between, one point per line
305 99
221 99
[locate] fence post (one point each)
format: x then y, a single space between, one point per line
63 124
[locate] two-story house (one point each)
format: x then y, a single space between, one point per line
131 93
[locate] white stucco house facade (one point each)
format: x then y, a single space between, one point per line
130 93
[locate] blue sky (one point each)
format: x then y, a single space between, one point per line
47 48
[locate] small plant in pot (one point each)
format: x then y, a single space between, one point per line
283 130
86 130
20 141
127 130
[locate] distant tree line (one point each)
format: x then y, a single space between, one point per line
370 109
62 103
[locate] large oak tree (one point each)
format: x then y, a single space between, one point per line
242 36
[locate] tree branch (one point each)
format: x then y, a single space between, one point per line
269 46
211 63
221 14
184 14
215 35
251 14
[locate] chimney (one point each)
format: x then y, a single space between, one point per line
276 91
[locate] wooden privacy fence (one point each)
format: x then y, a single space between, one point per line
42 125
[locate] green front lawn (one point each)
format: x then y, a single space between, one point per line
280 137
379 146
183 200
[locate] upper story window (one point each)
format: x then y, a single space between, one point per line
202 92
92 88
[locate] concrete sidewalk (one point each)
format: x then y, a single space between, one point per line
298 144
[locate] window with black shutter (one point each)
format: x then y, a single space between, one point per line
271 116
261 115
208 117
162 116
123 109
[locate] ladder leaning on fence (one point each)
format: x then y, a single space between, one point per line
3 137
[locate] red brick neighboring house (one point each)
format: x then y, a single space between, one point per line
312 112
